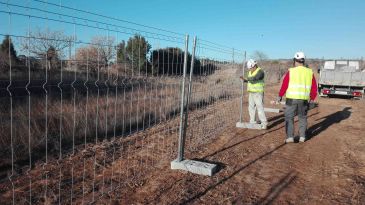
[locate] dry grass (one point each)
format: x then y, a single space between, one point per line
84 116
80 119
54 127
214 107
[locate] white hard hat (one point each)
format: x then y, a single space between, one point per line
299 55
251 63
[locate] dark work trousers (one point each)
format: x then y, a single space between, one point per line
296 107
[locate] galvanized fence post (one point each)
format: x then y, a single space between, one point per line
233 56
242 87
189 88
180 154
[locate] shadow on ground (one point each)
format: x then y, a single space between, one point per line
278 188
328 121
202 193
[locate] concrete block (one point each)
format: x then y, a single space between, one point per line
248 125
273 102
266 109
195 167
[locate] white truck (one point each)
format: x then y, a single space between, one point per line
341 77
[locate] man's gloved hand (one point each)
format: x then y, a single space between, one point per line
278 99
241 77
312 104
244 79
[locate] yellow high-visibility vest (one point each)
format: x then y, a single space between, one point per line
258 86
300 83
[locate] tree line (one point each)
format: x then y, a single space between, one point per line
53 50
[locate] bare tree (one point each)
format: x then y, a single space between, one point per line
105 47
100 52
259 55
40 41
87 58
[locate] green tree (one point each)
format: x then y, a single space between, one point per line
8 46
136 51
52 57
121 52
171 61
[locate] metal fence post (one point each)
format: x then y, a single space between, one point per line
242 87
180 154
233 56
189 88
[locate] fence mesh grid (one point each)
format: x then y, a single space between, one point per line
215 94
91 103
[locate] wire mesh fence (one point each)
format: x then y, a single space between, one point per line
215 94
90 104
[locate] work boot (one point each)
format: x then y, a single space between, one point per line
302 139
264 126
289 140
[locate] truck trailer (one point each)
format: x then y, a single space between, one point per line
341 77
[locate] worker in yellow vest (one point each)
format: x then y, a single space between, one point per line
299 87
255 88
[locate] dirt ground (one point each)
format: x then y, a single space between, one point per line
256 167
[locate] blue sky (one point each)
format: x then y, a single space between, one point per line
326 28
